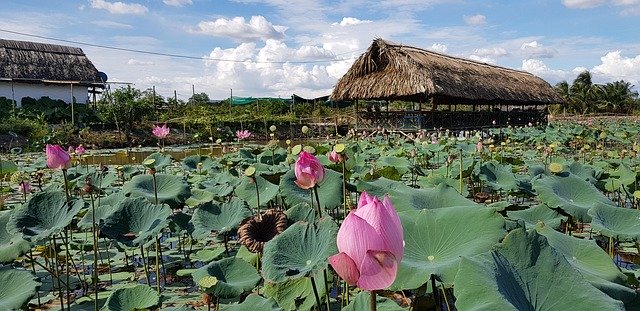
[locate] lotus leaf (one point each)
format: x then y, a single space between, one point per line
253 303
161 160
329 191
361 303
7 167
218 217
623 224
498 177
402 165
301 249
11 245
172 190
132 298
199 196
435 240
191 163
234 277
295 294
571 194
136 221
539 213
45 214
525 273
16 288
247 191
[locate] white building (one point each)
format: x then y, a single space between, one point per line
30 69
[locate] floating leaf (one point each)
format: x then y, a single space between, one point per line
525 273
16 288
246 191
171 190
539 213
253 302
11 245
139 297
160 160
301 249
218 217
45 214
234 277
623 224
436 239
136 221
329 191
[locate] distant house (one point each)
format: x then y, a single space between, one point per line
30 69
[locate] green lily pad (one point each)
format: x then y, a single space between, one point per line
361 302
623 224
160 160
11 245
171 189
45 214
234 277
253 303
199 196
498 177
436 239
402 165
246 191
16 288
329 191
301 249
525 273
295 294
207 163
207 255
139 297
539 213
7 167
571 194
218 217
136 221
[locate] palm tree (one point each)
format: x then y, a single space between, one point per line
583 93
617 96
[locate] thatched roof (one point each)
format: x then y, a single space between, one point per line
31 61
396 72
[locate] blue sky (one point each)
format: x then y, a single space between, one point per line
280 47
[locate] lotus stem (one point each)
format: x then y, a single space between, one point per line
444 294
344 188
107 247
157 266
315 192
436 297
33 266
257 198
315 291
94 232
460 171
66 267
144 264
155 188
164 271
326 289
372 300
57 274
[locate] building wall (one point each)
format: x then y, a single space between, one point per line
36 91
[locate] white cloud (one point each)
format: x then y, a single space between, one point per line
583 4
625 2
350 21
237 28
119 7
475 20
177 2
540 69
614 67
438 47
492 52
112 24
533 49
487 60
136 62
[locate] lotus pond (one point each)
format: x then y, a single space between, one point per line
510 219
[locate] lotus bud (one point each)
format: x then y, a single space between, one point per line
272 128
309 171
305 129
57 158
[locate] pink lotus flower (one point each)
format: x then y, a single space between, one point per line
309 171
80 150
370 244
242 134
161 131
479 146
57 158
335 157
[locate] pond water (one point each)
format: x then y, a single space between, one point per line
136 155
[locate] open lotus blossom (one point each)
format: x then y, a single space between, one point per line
57 158
370 244
80 150
161 131
309 171
242 134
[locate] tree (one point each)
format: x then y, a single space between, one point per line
127 108
200 98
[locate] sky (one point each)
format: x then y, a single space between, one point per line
276 48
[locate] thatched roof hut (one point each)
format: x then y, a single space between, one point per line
396 72
40 62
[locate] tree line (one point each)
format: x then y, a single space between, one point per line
585 97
